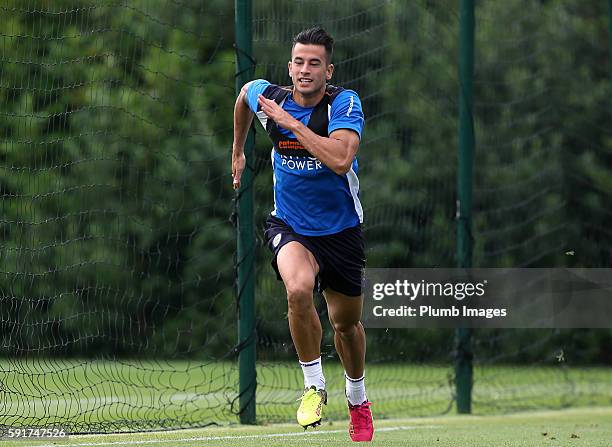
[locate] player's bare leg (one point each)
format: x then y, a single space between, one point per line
349 337
298 269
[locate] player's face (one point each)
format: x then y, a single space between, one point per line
309 69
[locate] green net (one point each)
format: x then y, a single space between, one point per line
540 196
117 308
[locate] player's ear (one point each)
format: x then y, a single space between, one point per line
289 68
329 71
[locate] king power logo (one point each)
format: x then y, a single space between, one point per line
301 163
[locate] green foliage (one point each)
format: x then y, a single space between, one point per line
117 239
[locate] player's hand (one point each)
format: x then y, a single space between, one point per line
238 164
276 112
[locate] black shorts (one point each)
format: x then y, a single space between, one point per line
340 256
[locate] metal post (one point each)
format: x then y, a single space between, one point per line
246 234
463 348
610 39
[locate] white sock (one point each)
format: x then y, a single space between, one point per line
313 374
355 390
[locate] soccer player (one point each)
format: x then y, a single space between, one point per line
314 230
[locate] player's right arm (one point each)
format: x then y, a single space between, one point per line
243 117
244 110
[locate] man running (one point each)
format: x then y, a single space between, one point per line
314 230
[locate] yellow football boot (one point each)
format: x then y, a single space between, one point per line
310 412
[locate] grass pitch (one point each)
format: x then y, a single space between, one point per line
590 427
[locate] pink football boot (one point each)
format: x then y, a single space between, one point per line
361 427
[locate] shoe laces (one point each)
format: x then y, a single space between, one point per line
360 414
309 398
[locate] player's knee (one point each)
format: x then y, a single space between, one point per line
299 295
344 327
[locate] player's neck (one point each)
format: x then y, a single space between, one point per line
309 100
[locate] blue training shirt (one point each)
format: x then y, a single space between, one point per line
311 198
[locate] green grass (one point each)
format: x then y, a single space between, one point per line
590 427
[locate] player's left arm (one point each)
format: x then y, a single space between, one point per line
336 151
